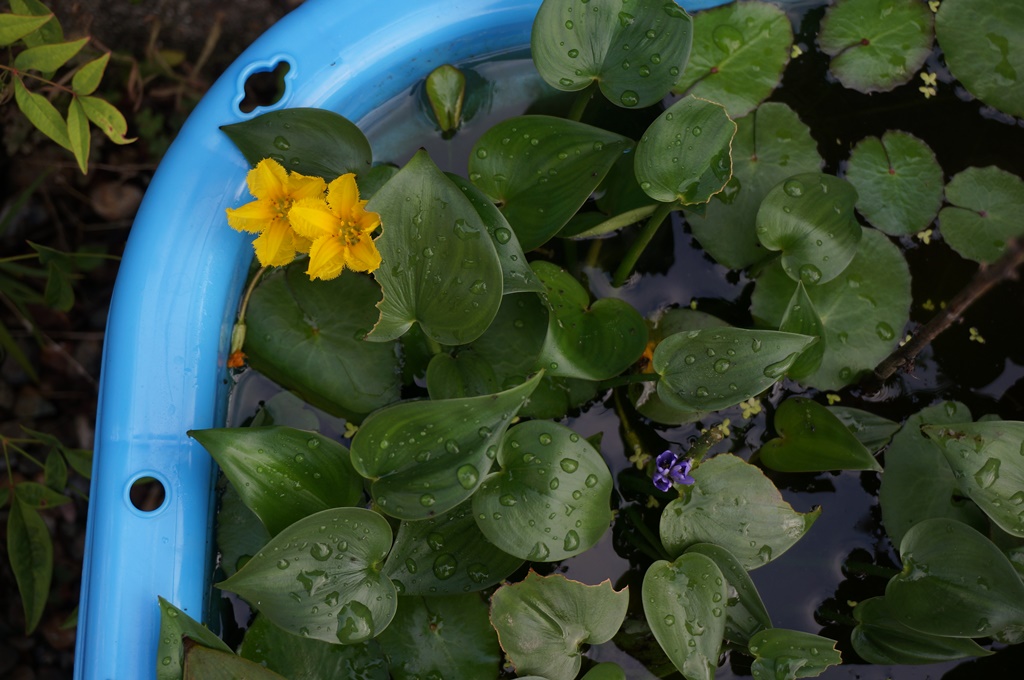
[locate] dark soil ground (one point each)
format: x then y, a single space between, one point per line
165 55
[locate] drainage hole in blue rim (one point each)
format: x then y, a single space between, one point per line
264 88
147 494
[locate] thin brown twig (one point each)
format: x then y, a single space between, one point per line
986 277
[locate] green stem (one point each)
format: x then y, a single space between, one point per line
620 380
248 293
434 345
579 105
594 252
641 242
704 443
618 221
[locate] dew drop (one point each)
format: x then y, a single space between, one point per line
445 566
539 553
570 465
468 476
321 551
591 481
629 98
722 365
572 541
282 143
355 623
426 500
810 274
793 187
988 474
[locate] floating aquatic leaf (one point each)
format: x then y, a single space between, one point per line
880 638
870 429
802 318
307 337
684 602
313 142
446 90
635 53
440 267
981 43
684 155
541 169
590 341
876 45
550 500
898 182
435 637
863 310
809 217
543 621
986 205
447 554
811 439
956 583
745 614
283 474
918 484
412 451
781 654
302 658
733 505
298 582
771 144
986 460
739 52
713 368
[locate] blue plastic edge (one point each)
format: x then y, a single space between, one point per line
164 359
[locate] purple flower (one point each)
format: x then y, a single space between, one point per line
671 469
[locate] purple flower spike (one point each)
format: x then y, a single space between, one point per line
670 469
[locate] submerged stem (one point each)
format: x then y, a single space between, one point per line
986 277
640 244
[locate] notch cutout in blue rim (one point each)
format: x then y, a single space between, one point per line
264 86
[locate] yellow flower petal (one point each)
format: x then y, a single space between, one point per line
343 197
252 217
301 243
312 219
274 247
367 221
363 256
326 258
301 186
267 181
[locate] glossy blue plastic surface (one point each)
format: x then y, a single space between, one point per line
174 302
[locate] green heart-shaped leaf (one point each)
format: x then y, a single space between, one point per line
986 460
684 155
898 182
304 658
985 212
298 583
517 277
175 625
733 505
684 604
543 621
918 484
739 52
425 457
590 341
711 369
956 583
440 267
771 144
781 654
980 42
283 474
880 638
464 375
745 614
802 318
307 337
312 142
813 440
450 637
541 169
876 45
863 310
446 555
551 498
634 54
809 217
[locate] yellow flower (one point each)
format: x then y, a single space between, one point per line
339 229
275 191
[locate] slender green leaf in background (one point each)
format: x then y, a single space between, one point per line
78 134
88 77
48 58
107 118
42 114
14 27
30 552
